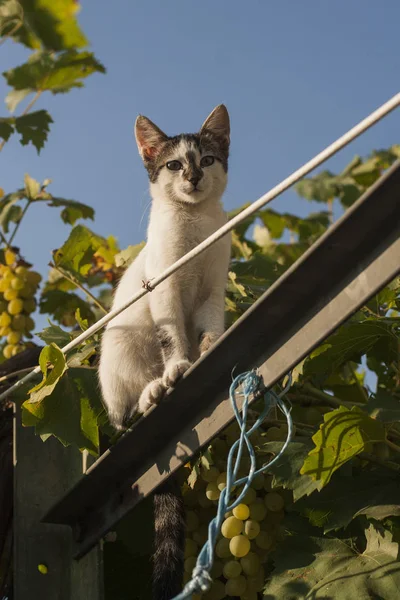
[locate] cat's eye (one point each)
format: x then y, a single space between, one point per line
207 161
174 165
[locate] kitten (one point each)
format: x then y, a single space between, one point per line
148 347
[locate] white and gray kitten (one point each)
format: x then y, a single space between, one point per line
147 348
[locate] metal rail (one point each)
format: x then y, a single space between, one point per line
355 258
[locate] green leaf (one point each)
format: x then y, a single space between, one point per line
124 258
286 470
259 269
375 495
81 357
83 323
14 97
71 412
32 187
309 567
368 172
50 354
53 24
349 194
6 127
54 334
8 211
344 434
320 188
384 406
54 73
73 210
242 228
350 343
194 475
77 252
34 128
235 285
274 222
63 305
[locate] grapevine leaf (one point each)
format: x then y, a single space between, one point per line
32 187
124 258
375 495
54 334
77 252
349 343
51 23
70 412
242 227
8 210
355 162
82 356
368 172
34 128
349 194
62 305
235 285
83 323
54 73
194 475
316 568
343 434
274 222
6 127
384 406
259 269
320 188
50 354
73 210
286 470
14 97
261 236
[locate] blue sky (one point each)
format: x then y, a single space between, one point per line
294 76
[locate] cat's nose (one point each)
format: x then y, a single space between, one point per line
194 180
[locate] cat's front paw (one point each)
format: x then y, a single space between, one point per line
207 340
152 394
174 371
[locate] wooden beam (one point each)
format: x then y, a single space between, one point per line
355 258
42 472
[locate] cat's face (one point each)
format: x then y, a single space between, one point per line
186 168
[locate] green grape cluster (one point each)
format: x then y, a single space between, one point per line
18 286
248 533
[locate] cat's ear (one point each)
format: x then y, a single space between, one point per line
149 138
218 123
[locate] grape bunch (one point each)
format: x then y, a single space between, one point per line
18 286
248 533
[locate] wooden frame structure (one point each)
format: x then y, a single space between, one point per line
60 513
355 258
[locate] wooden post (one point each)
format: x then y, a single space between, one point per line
43 472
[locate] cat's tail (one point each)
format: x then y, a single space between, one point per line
169 539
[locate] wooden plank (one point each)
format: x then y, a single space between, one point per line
348 264
43 472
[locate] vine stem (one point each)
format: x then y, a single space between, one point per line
393 446
330 210
32 102
75 282
327 397
379 461
12 236
16 373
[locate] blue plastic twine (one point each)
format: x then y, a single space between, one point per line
251 385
